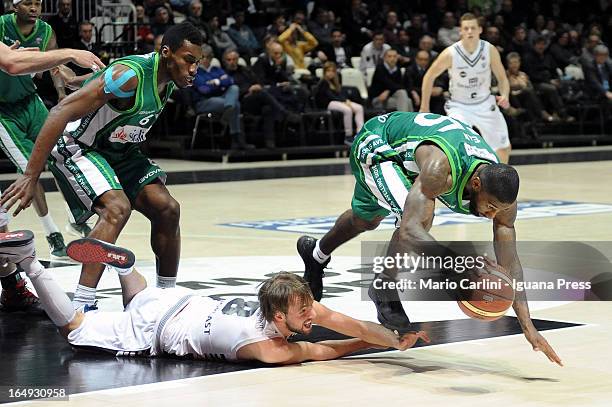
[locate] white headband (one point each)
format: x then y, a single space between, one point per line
15 2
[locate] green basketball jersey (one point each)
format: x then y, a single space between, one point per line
395 137
15 88
113 132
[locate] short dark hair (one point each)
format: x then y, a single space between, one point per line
501 181
177 34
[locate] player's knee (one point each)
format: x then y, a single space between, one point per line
364 225
170 212
117 212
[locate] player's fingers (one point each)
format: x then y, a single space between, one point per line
423 335
15 45
97 63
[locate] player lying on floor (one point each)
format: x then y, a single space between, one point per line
157 321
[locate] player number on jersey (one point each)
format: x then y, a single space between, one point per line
240 307
146 119
423 120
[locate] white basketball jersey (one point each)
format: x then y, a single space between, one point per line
470 74
210 329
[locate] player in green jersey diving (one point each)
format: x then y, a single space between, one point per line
402 162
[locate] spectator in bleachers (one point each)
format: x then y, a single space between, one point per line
435 16
391 29
328 94
321 27
561 52
295 46
512 17
278 26
575 43
86 38
598 75
271 69
387 89
519 43
299 17
426 43
214 92
64 25
162 21
416 29
195 17
182 6
493 35
413 82
449 33
255 99
219 39
539 31
356 23
336 52
144 36
152 5
404 50
542 70
587 56
372 52
243 37
522 93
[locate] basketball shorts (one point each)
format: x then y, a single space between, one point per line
84 174
486 117
20 123
132 330
380 189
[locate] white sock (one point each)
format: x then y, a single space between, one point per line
83 295
165 282
319 255
54 300
48 224
120 271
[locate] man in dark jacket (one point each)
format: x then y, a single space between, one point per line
598 75
254 99
413 81
336 52
541 68
214 92
387 89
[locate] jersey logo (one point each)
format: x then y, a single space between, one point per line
128 134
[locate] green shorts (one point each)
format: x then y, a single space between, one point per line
382 188
20 123
84 174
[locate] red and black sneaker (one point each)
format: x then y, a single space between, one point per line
20 298
89 251
16 246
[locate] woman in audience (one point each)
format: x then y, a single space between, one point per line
328 94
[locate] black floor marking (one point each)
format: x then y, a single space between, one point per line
34 354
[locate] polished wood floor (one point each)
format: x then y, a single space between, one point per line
500 370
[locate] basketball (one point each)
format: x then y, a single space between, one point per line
487 296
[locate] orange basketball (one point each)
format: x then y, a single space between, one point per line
489 296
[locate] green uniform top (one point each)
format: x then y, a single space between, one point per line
16 88
395 137
115 132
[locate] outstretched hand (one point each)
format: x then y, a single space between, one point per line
86 59
540 344
409 339
21 190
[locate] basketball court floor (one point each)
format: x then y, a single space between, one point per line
237 229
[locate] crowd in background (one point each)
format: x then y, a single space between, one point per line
278 59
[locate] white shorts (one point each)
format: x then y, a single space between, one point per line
486 117
133 329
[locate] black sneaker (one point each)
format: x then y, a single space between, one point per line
89 251
389 308
314 271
